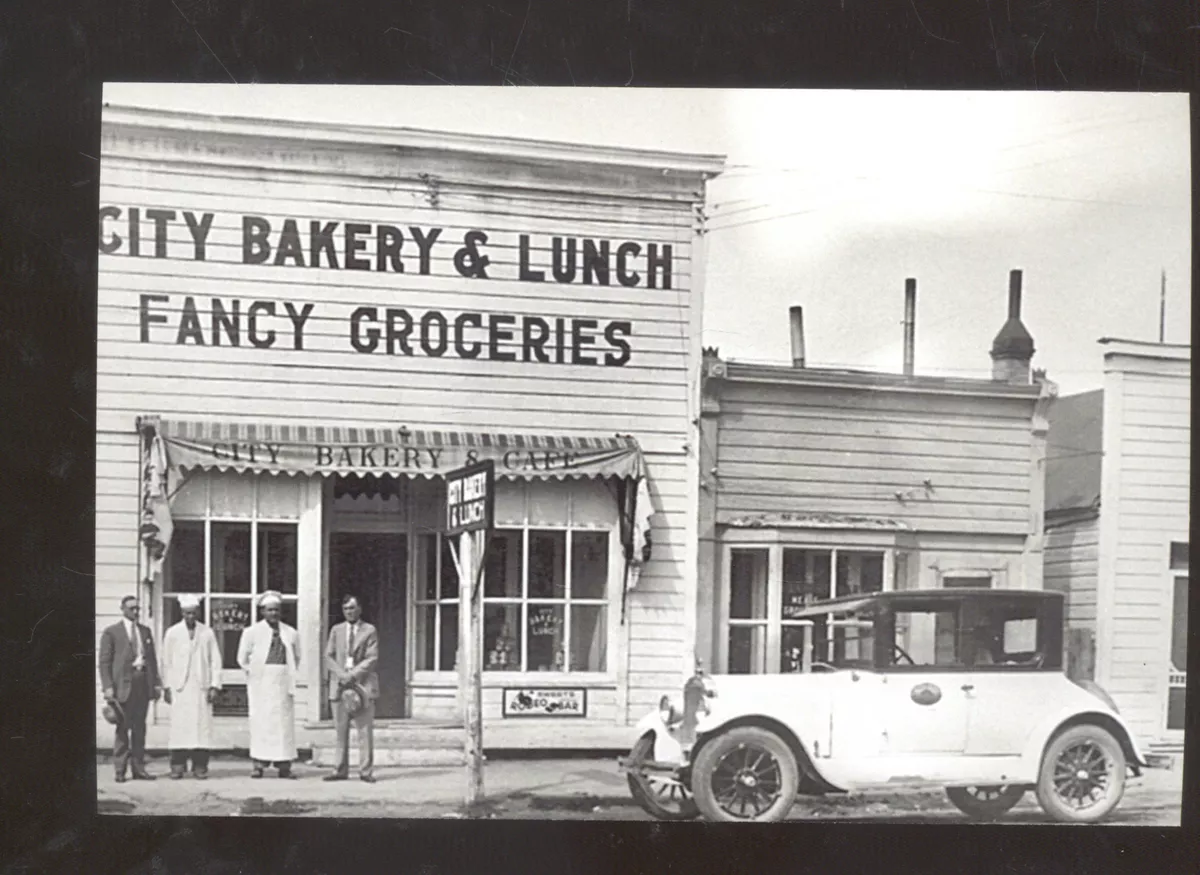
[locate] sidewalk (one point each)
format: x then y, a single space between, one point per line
537 788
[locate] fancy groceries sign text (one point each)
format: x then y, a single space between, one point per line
266 324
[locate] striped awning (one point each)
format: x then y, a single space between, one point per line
324 450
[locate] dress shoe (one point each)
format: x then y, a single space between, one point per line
143 776
176 775
367 779
257 773
287 774
200 775
337 776
120 778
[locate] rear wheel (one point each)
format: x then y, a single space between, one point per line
1083 775
985 803
661 796
745 774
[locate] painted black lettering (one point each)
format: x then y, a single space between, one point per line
146 317
135 232
160 219
412 457
368 457
424 245
364 340
354 245
656 263
472 456
255 248
497 334
388 240
268 338
389 457
199 230
615 333
218 451
298 320
509 459
189 324
289 245
433 324
273 449
527 273
535 331
563 266
324 456
595 262
580 341
625 276
435 455
113 243
465 350
223 319
560 340
320 239
398 334
345 458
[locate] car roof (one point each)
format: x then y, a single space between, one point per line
857 600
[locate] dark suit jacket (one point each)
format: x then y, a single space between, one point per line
364 657
116 660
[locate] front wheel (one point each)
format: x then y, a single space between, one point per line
985 803
659 796
745 774
1083 775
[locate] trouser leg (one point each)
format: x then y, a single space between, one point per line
341 722
200 761
179 760
135 712
364 724
121 742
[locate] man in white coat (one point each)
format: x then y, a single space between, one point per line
191 672
269 653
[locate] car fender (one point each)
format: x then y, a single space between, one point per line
1049 726
666 748
811 775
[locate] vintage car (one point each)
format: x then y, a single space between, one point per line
961 689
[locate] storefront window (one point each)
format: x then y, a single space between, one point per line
545 602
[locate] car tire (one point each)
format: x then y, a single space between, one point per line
1077 763
675 806
748 774
985 803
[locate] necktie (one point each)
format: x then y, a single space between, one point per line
136 640
350 648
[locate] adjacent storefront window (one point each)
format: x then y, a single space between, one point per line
1177 670
235 538
763 632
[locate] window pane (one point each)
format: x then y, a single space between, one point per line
231 557
1176 705
589 565
277 558
228 617
502 577
547 564
589 637
1179 555
185 559
792 645
748 584
426 617
974 581
859 572
509 509
546 638
1179 622
501 637
448 646
427 569
747 649
802 581
449 572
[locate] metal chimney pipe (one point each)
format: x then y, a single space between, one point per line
1014 294
910 325
797 320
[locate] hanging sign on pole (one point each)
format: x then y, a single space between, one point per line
470 502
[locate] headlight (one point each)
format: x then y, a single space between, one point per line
667 711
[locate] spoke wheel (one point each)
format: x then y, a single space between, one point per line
985 803
746 774
661 796
1083 775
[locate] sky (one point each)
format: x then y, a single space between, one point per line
831 199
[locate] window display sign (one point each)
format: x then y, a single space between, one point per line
470 498
531 702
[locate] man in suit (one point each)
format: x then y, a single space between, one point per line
129 679
350 658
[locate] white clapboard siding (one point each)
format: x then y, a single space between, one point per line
232 169
1146 504
817 450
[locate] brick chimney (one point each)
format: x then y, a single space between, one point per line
1012 350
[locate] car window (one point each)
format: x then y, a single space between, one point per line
927 636
1008 633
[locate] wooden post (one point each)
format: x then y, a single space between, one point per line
470 555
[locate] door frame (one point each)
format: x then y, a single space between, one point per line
361 525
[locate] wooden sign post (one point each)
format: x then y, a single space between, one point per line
470 501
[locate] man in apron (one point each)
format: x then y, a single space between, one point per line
270 655
192 675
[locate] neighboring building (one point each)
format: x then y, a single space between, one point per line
818 482
315 323
1117 520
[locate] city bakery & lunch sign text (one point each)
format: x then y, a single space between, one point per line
492 336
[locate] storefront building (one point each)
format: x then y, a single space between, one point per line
303 328
821 482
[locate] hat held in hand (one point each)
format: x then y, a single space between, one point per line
112 712
354 698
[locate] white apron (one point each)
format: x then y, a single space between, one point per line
191 666
271 692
